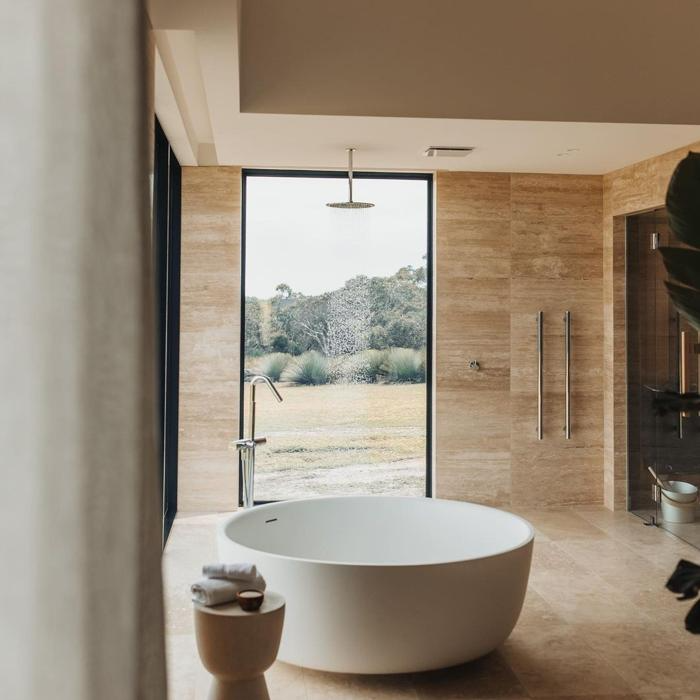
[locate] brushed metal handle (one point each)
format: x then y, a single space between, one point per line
540 374
567 374
684 383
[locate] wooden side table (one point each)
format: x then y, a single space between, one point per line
237 647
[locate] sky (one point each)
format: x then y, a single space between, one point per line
293 237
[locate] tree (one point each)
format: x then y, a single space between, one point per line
406 333
280 343
303 320
398 309
284 290
253 327
376 312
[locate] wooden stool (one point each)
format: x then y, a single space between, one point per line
237 647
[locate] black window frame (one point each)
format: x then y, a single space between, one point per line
358 175
166 223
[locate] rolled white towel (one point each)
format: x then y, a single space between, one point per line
239 570
238 573
214 591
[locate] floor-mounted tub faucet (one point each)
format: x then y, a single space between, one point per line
246 445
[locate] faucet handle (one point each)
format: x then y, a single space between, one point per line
248 444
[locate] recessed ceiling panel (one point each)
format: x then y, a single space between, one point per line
618 61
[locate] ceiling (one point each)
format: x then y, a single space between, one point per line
272 83
554 60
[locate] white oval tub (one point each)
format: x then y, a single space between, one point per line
386 584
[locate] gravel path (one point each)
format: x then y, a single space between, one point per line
401 478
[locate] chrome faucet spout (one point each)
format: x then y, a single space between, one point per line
264 379
246 445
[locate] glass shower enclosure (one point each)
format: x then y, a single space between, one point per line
662 354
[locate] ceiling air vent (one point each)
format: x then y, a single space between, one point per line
448 151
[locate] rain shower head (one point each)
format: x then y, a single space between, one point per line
350 204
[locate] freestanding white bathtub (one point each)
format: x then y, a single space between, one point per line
386 584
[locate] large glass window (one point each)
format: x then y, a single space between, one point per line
166 255
337 312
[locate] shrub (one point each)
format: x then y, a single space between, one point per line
273 365
403 365
363 367
373 364
341 369
280 343
310 368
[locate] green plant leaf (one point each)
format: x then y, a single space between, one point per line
665 402
683 200
682 265
687 301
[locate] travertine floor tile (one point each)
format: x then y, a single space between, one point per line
202 518
563 524
651 659
665 554
607 557
668 696
536 611
550 557
285 682
614 523
652 543
579 599
577 593
340 686
540 535
593 697
189 546
554 660
182 664
488 677
640 581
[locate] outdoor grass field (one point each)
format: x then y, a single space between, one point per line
341 439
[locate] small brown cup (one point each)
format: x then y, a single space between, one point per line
250 600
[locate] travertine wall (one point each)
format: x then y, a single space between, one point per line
632 189
472 309
509 245
209 338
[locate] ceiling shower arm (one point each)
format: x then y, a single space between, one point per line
351 203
